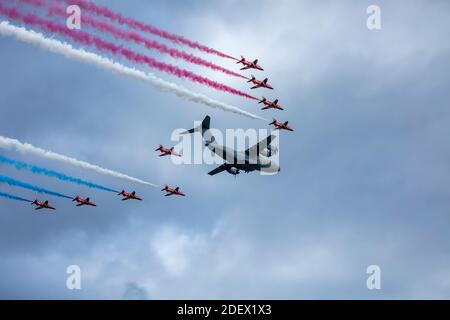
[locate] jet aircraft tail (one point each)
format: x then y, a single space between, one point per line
203 127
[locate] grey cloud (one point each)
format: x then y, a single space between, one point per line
135 292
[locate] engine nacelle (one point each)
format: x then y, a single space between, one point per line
269 151
233 171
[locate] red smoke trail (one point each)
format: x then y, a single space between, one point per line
135 24
137 38
87 39
38 3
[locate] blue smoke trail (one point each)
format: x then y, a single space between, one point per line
9 196
38 170
28 186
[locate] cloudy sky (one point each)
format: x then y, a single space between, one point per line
364 178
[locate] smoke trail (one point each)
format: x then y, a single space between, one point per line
135 24
28 186
68 51
38 170
13 144
10 196
138 39
88 39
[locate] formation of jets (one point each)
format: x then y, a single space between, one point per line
126 195
87 202
45 205
255 158
263 84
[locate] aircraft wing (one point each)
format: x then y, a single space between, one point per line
260 146
245 68
219 169
256 86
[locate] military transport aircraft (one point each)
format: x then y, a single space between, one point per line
254 158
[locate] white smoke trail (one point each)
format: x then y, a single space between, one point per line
68 51
13 144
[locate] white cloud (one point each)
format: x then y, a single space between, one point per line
176 250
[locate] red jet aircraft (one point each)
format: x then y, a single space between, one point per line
166 151
269 104
281 125
42 205
129 195
249 64
83 202
172 192
260 83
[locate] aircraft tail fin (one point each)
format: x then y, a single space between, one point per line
203 127
206 123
